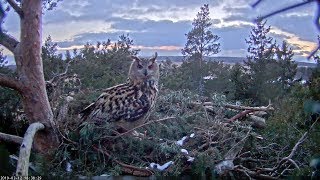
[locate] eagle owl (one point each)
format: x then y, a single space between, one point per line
126 104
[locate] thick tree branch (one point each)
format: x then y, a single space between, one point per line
25 148
16 7
240 115
6 40
11 138
10 82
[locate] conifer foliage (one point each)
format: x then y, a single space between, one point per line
201 42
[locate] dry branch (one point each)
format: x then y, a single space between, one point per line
281 167
142 125
258 122
232 153
240 115
59 76
253 174
294 149
262 108
25 148
133 170
209 105
247 110
11 138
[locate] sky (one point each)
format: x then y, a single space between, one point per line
160 26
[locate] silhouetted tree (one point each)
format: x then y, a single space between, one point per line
201 41
261 64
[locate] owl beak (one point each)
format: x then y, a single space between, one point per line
145 72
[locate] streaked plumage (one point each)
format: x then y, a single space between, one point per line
127 104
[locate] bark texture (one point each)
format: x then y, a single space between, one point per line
30 82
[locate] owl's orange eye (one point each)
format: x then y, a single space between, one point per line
140 66
151 66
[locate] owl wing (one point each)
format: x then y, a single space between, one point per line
118 103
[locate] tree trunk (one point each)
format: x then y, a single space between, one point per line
30 73
30 82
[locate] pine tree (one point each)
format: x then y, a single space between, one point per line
240 81
288 68
201 41
261 64
261 46
52 60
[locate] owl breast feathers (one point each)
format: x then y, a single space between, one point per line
126 104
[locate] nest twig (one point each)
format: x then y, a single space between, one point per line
126 168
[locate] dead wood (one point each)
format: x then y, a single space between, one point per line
11 138
25 148
240 115
258 122
142 125
129 169
262 108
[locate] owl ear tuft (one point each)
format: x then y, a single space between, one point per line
135 58
153 59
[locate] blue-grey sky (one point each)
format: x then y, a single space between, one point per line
161 25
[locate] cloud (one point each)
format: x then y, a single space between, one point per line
238 18
149 25
241 9
163 48
300 46
145 33
161 25
302 26
74 10
145 50
67 31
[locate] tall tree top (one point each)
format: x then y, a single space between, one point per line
261 46
203 19
200 40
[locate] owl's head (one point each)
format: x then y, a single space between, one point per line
144 69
